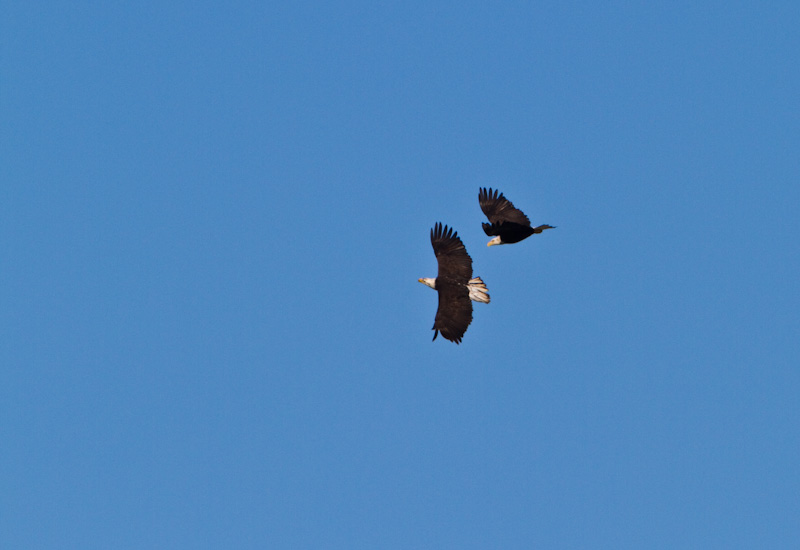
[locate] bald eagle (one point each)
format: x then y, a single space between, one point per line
455 285
507 224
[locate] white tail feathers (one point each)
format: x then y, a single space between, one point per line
478 291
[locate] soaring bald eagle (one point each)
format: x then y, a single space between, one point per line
455 285
509 224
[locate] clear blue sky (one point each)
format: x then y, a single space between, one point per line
213 217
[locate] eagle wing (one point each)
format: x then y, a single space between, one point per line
454 314
455 270
454 262
499 209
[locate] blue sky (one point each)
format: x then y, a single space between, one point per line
212 221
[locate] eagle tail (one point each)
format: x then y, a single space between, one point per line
478 291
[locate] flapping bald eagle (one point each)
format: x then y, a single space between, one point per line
455 285
507 224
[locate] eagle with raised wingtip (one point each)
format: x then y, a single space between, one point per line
507 224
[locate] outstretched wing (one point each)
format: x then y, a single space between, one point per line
455 311
455 265
499 209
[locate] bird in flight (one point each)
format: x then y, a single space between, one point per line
456 287
507 224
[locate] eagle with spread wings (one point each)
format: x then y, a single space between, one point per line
507 224
454 282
